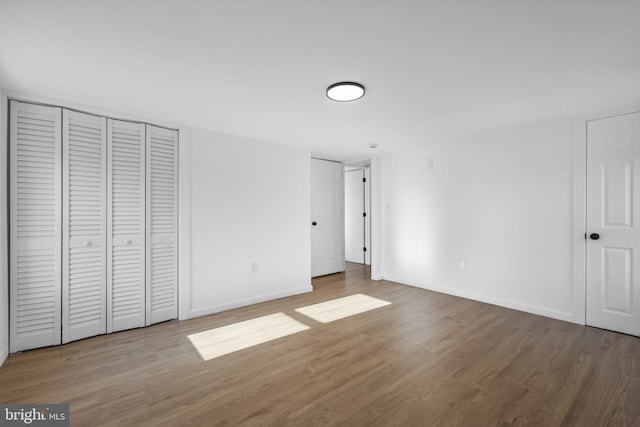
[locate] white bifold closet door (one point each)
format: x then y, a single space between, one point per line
162 224
84 255
126 229
93 225
35 226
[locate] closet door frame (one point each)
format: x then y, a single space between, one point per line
7 97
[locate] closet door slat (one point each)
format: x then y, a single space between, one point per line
35 225
84 311
126 231
162 224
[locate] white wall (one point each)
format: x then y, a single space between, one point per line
502 202
250 203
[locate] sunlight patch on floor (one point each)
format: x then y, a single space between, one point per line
238 336
340 308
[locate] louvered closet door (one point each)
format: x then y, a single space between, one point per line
35 225
126 233
84 256
162 224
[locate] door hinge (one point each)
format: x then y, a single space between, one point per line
364 249
364 214
364 179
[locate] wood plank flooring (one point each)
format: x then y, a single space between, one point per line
426 359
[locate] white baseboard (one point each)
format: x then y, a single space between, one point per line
248 301
3 355
527 308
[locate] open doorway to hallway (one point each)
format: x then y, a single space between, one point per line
357 213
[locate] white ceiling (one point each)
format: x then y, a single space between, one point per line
434 70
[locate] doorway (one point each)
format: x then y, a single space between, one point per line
357 214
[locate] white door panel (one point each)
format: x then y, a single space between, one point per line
327 217
613 214
83 226
162 224
35 225
126 229
354 210
367 226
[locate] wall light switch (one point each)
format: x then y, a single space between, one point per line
461 263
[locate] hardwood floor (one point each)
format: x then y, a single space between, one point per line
426 359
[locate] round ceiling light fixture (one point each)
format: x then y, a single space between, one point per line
345 91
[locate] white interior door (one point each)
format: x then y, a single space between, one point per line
35 225
84 255
367 207
126 229
327 217
354 216
613 223
162 224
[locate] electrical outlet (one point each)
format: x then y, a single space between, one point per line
461 263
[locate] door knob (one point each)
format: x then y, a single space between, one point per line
594 236
314 223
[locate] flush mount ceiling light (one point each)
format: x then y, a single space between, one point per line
345 91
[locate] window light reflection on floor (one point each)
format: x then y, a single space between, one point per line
238 336
340 308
